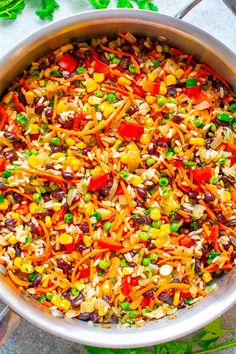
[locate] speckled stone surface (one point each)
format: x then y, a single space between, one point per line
210 15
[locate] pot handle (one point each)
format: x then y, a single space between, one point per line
191 4
9 321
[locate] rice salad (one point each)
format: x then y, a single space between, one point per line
117 180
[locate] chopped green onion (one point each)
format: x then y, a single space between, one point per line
191 82
80 70
68 217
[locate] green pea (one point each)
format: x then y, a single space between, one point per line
199 123
132 69
156 63
6 174
112 55
123 263
80 70
124 174
233 107
96 215
151 191
21 119
153 257
150 161
174 227
143 235
37 197
56 141
49 296
98 93
169 153
74 291
32 276
35 72
234 126
111 98
166 194
56 73
182 110
161 101
107 226
213 127
214 180
87 197
103 264
133 314
33 152
127 118
68 217
222 160
116 61
157 224
172 100
42 298
163 181
145 311
125 306
28 240
26 152
146 261
176 150
224 117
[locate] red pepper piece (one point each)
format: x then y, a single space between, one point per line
187 242
119 190
98 182
2 165
17 129
78 118
176 51
68 63
69 248
85 273
138 90
151 87
186 295
100 67
19 106
126 290
145 302
231 148
58 216
193 91
131 130
233 160
106 242
202 174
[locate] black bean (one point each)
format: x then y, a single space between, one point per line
99 49
77 300
233 256
81 246
11 136
165 297
185 281
124 63
176 280
197 266
2 187
10 224
10 155
67 175
58 194
177 119
142 192
208 143
17 250
171 91
32 226
231 222
49 112
88 54
84 227
85 316
139 219
222 123
139 203
114 319
105 191
49 166
46 212
37 280
132 264
68 123
140 44
56 149
21 98
180 83
63 265
148 220
85 151
126 47
104 59
150 246
220 217
39 108
148 294
46 197
106 298
132 109
94 317
161 143
192 195
66 295
17 197
209 197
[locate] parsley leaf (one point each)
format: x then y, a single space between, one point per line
47 11
124 3
100 4
9 9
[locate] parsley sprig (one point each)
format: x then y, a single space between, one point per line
201 343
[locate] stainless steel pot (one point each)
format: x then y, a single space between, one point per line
205 49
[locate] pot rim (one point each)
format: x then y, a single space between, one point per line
130 337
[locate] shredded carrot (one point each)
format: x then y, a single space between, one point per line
143 290
135 64
17 280
180 286
117 52
127 197
208 210
48 246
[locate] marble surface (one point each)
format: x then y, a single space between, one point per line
210 15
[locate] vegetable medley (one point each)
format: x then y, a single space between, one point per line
118 193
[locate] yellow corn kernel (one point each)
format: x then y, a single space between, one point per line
105 213
153 75
132 159
91 85
149 122
227 196
7 99
64 283
64 305
87 241
45 281
81 145
78 285
89 208
27 268
104 105
106 289
12 240
39 269
15 216
179 73
73 162
169 205
48 221
61 107
163 88
65 48
92 100
4 205
151 99
74 255
34 161
127 270
207 277
56 206
170 80
34 128
98 77
197 141
176 298
115 261
57 155
42 83
117 144
123 81
29 96
18 262
121 297
154 233
165 229
136 180
33 208
159 48
56 300
108 111
146 139
155 214
70 141
65 239
132 147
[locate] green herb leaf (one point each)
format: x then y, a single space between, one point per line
100 4
124 4
47 11
9 9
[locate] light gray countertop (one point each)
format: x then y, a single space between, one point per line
210 15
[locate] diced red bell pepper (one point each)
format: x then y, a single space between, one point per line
78 118
126 290
119 190
145 302
185 295
151 87
100 67
138 90
176 51
3 164
58 216
131 130
19 106
67 62
17 129
187 242
194 91
202 174
233 160
231 148
70 247
85 273
98 182
112 245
